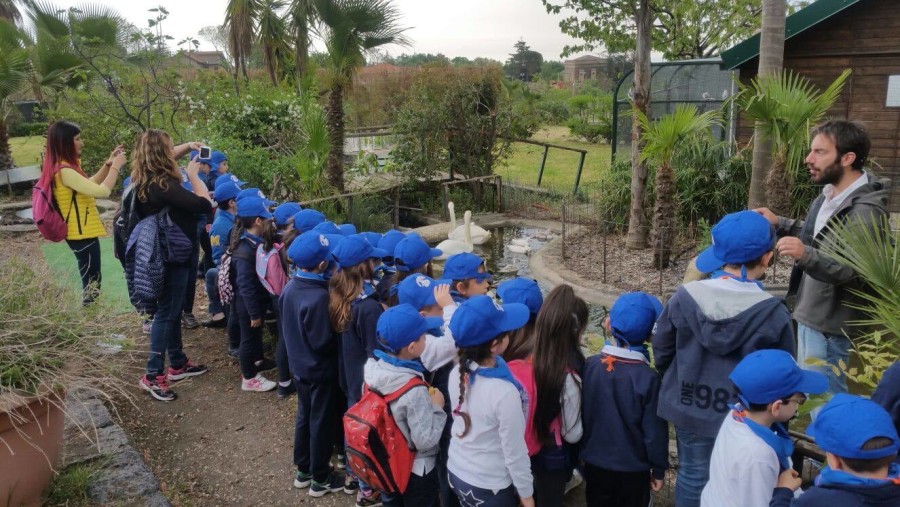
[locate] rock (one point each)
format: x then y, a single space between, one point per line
86 414
123 477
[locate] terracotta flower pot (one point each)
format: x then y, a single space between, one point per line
30 442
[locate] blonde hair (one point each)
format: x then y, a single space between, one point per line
153 162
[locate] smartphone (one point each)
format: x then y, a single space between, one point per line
205 152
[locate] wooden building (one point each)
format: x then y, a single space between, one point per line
822 41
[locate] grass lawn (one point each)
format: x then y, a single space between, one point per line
113 289
562 165
26 151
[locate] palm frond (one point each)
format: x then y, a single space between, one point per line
663 136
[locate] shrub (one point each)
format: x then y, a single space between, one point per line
27 129
590 132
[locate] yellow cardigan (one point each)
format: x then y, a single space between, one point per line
70 187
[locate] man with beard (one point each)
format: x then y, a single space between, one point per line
822 285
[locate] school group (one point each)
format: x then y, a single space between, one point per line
432 392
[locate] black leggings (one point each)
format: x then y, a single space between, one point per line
87 253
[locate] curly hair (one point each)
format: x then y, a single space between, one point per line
343 288
154 162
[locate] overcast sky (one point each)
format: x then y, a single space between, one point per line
468 28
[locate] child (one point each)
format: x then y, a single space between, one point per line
887 394
284 217
860 443
706 328
488 462
385 268
219 234
276 277
312 349
753 446
251 300
411 255
551 376
354 313
418 413
526 291
625 448
469 275
306 220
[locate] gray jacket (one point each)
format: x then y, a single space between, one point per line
821 284
420 420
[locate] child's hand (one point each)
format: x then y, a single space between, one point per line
789 479
656 484
527 502
437 397
255 322
442 296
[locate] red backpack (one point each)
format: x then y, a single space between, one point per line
377 451
45 211
523 371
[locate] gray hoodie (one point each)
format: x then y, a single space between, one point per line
420 420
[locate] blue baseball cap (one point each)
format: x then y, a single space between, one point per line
309 249
327 228
225 190
521 290
389 241
769 375
186 180
216 158
633 316
255 192
401 325
738 238
481 319
847 422
126 182
418 290
285 211
347 229
253 207
228 178
463 266
354 250
307 219
414 253
372 237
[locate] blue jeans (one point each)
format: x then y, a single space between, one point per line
471 496
212 291
314 427
825 348
165 334
694 454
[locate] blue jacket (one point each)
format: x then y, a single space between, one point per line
887 394
622 432
220 233
311 343
145 270
249 292
706 328
840 495
358 342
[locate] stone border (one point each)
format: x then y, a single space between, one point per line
91 436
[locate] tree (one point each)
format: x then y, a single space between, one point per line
272 35
217 35
784 106
524 64
551 70
353 27
303 18
240 19
9 11
418 59
662 138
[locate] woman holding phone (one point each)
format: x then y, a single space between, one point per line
75 193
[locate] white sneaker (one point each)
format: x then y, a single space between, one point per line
574 482
258 383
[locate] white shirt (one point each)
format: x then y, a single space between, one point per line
492 455
833 202
440 350
743 471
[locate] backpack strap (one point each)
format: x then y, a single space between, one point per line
412 383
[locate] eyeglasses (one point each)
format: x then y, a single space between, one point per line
799 401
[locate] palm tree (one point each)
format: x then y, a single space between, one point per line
303 18
662 138
785 106
9 11
273 37
240 21
15 67
353 28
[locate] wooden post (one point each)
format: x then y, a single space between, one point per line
396 208
498 180
445 191
349 209
543 162
578 174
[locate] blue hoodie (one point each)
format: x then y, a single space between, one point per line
887 394
220 234
358 342
249 294
840 489
312 346
706 328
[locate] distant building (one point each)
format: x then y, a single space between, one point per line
584 68
204 59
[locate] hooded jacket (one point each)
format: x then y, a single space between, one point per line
843 495
311 343
821 284
887 394
420 420
706 328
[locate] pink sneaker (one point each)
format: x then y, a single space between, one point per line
189 369
258 384
158 387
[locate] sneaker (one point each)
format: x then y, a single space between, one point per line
332 484
189 369
351 485
158 388
373 499
286 391
302 480
189 321
265 364
574 482
341 461
258 383
235 353
147 325
215 323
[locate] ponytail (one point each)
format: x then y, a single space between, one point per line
468 355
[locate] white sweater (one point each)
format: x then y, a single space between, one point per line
440 350
492 455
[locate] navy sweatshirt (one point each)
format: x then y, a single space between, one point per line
706 328
312 345
358 342
840 495
622 432
248 289
887 394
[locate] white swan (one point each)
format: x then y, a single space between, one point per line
450 247
519 245
452 209
480 236
523 242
